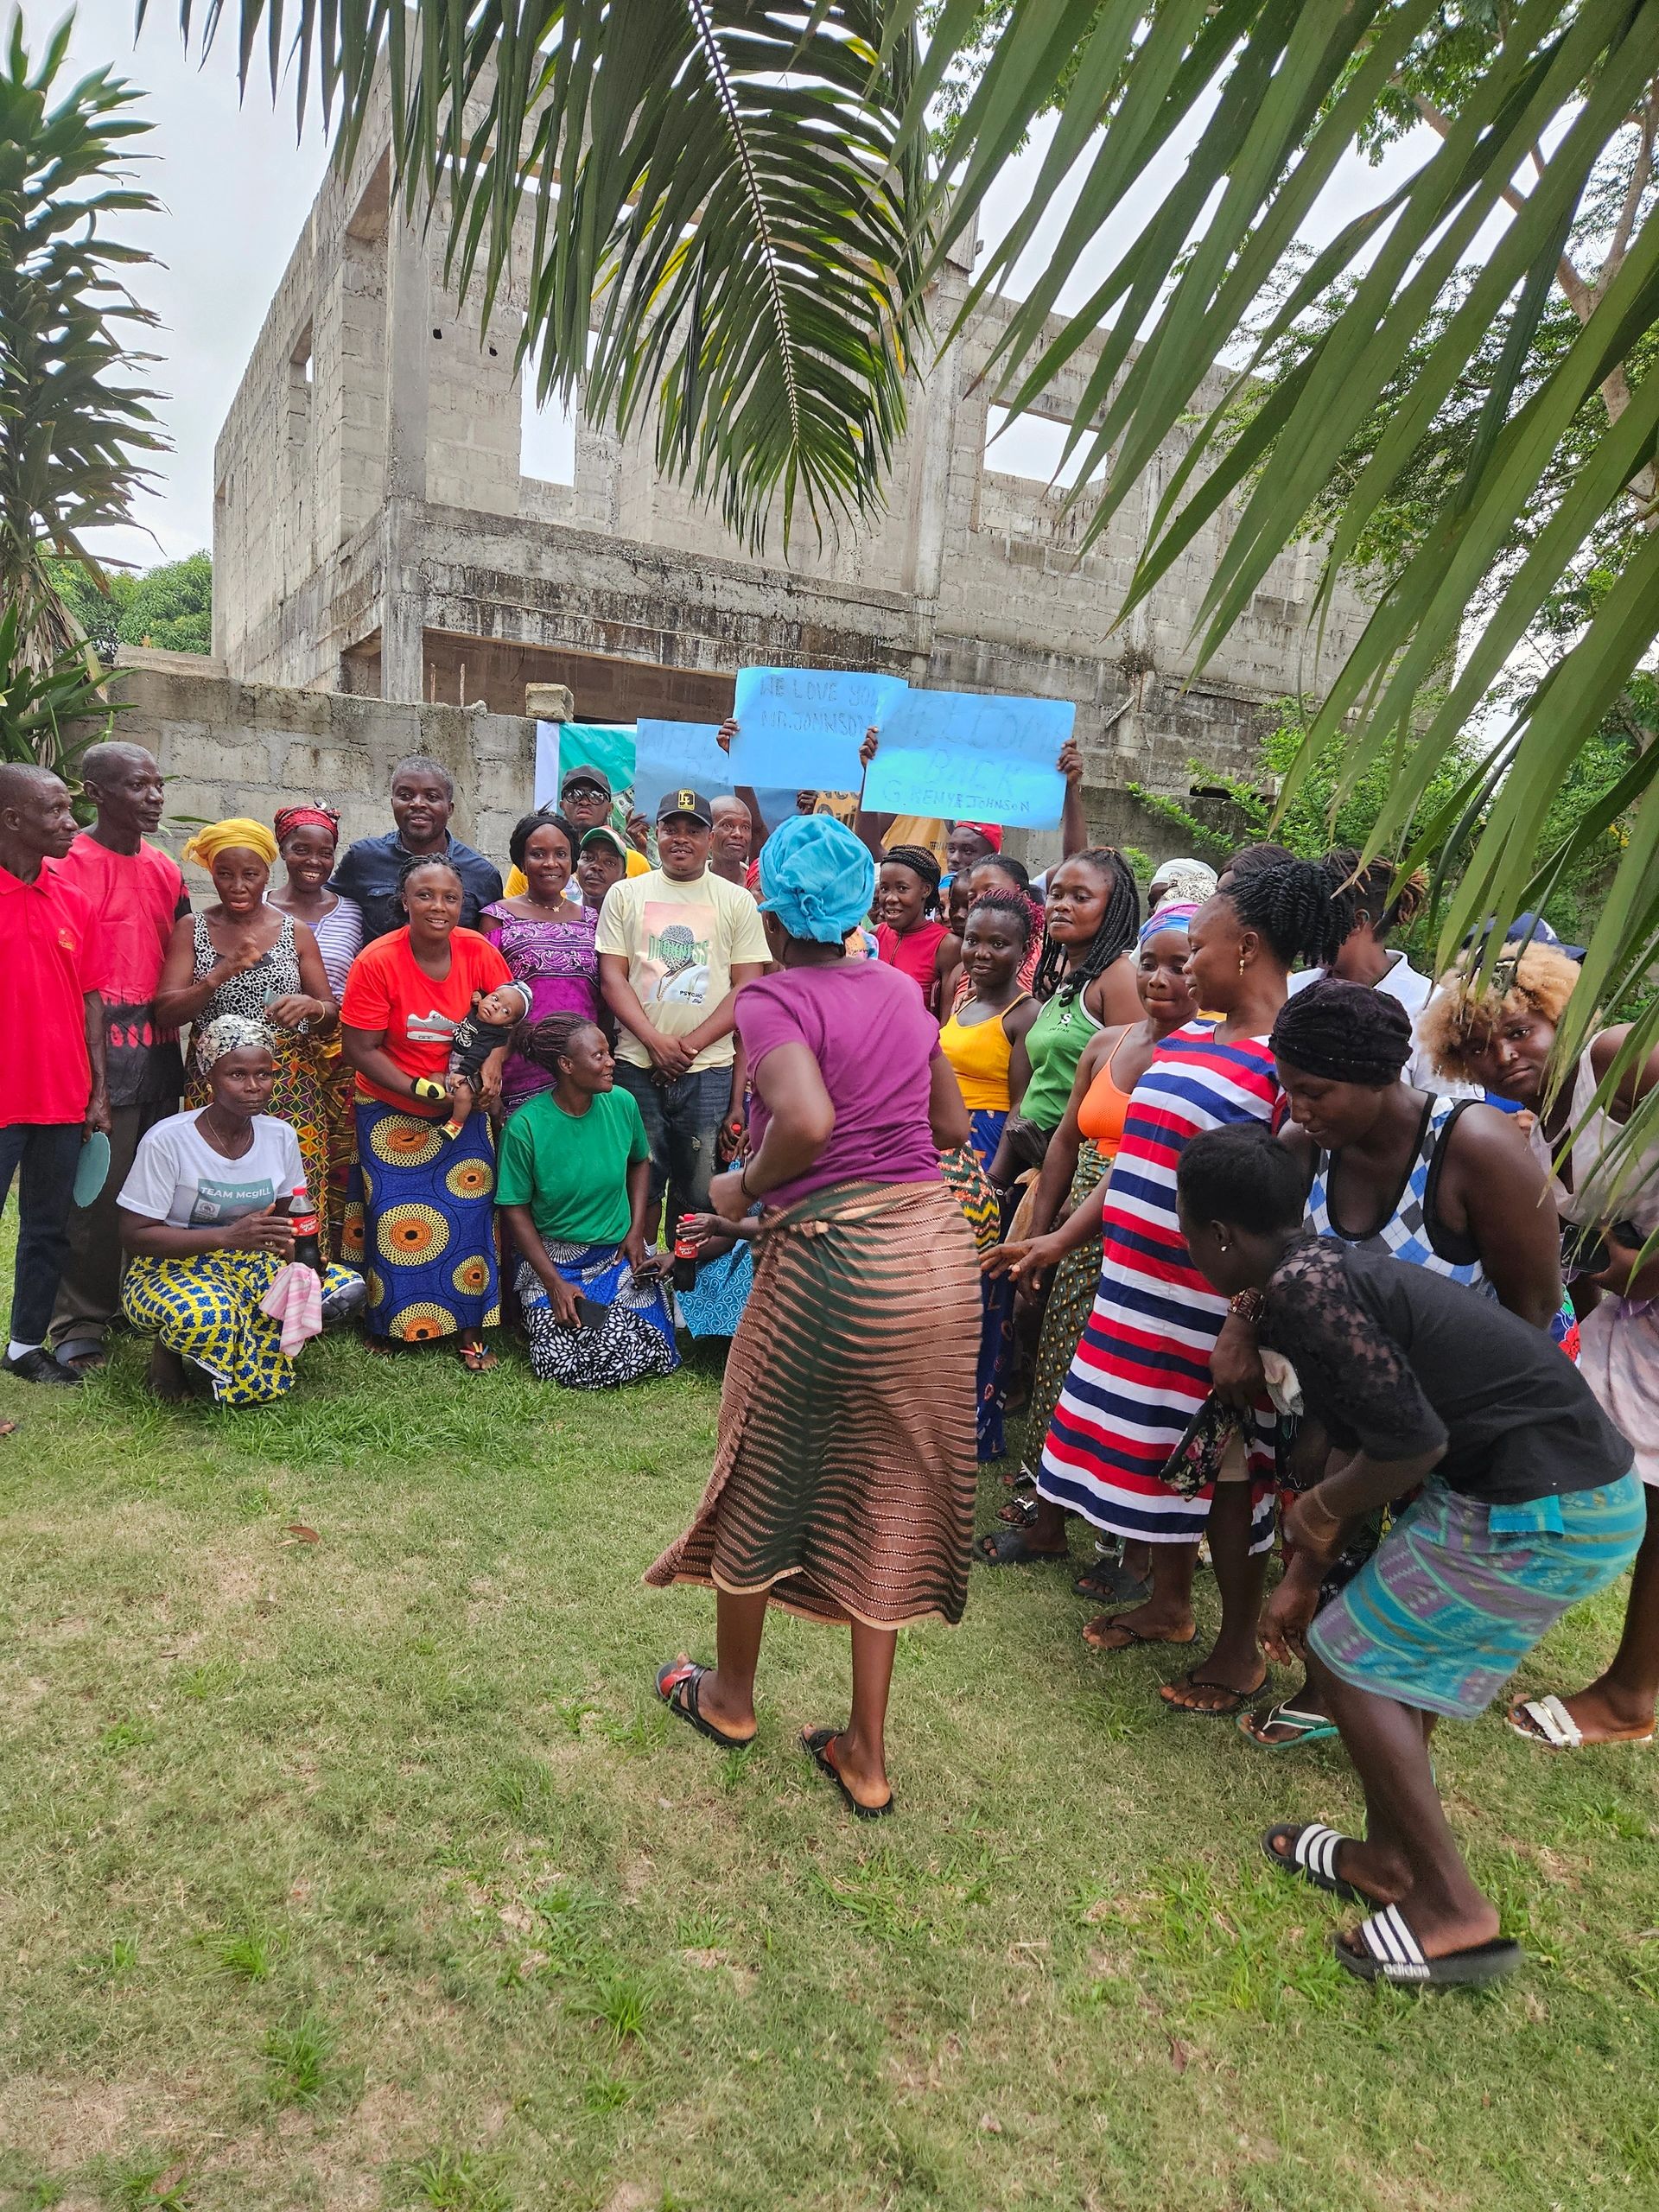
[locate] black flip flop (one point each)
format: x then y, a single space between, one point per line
816 1743
1134 1639
1383 1948
677 1686
1237 1700
1009 1548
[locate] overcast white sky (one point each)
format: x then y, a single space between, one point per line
235 186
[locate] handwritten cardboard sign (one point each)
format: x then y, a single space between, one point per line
972 755
801 727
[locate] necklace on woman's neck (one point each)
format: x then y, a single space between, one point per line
224 1140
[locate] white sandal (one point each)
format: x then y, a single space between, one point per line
1553 1726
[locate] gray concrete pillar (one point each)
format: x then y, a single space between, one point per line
409 313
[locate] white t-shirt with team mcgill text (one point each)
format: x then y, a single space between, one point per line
681 941
177 1178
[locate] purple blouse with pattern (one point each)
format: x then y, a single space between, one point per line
556 959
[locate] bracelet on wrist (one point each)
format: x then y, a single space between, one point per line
1322 1505
1246 1305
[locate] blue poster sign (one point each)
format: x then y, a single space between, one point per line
669 754
800 729
972 755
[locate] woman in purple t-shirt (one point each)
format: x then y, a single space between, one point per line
547 940
843 1481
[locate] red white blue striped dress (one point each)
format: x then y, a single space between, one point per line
1141 1369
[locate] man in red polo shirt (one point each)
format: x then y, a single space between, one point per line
52 1086
136 893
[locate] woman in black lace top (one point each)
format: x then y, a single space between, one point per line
1526 1506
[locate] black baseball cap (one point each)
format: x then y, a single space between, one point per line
686 801
584 772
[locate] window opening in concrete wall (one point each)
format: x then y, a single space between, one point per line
1030 445
300 361
547 435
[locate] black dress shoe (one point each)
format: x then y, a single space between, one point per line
39 1366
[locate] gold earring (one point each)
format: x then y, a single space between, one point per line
1242 956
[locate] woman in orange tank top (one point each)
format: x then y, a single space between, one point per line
1074 1171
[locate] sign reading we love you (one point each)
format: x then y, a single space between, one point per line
974 756
803 726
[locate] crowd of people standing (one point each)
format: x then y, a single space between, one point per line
1278 1241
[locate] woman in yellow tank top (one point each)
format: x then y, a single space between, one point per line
984 1041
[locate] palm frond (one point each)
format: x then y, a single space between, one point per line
1451 267
74 427
719 186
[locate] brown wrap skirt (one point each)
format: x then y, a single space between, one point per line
843 1477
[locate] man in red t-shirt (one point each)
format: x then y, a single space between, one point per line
138 893
52 1086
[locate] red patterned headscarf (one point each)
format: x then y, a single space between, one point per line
315 817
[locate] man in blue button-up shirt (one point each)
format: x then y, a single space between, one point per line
423 800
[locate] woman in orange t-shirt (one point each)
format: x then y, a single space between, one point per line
421 1213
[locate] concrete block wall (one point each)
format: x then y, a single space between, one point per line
228 747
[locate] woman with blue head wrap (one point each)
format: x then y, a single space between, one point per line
817 878
843 1480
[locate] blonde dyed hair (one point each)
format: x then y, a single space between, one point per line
1461 1021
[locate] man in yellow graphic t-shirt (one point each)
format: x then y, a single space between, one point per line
674 945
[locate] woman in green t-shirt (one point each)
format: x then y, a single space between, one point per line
572 1183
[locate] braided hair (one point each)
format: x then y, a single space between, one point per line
1248 858
1119 925
552 1038
920 862
1381 892
1010 903
424 860
1298 907
1343 1032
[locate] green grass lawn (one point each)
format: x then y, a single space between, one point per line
368 1872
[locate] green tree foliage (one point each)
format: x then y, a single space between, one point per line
1436 309
74 427
170 607
1326 811
1432 89
1320 815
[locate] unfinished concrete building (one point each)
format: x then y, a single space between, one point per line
376 533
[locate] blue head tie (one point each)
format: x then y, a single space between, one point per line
1177 915
817 877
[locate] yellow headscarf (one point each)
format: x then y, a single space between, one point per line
241 830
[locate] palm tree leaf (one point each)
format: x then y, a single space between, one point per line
721 185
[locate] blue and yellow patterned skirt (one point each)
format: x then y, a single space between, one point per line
206 1310
965 1171
420 1215
1458 1592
